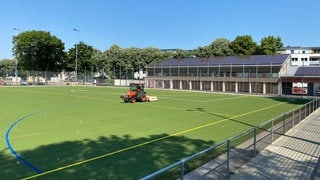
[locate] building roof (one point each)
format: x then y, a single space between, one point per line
308 71
297 47
275 60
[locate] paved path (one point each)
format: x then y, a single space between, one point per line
295 155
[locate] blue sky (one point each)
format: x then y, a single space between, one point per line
164 24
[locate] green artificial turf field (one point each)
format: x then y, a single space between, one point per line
89 133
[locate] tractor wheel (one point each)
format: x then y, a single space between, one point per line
133 100
144 98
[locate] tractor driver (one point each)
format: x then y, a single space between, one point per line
139 91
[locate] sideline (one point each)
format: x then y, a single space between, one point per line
146 143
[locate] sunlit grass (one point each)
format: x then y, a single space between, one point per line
89 132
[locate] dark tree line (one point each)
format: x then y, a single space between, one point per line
41 51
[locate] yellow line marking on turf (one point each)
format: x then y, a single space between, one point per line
147 142
27 135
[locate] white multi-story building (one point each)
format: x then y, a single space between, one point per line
302 73
303 56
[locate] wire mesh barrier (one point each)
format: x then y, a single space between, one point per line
10 77
26 77
227 157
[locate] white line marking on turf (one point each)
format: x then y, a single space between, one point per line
203 101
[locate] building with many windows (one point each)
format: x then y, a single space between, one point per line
293 71
302 75
303 56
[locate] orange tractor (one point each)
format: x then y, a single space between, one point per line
137 94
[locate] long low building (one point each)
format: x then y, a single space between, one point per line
257 74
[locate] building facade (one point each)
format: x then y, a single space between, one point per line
303 56
258 74
302 74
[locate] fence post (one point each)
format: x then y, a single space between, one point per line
313 105
300 114
228 158
181 170
309 109
305 111
293 118
272 129
284 123
254 141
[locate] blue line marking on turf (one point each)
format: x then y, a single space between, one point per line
11 148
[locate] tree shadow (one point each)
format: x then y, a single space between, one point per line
291 100
295 101
199 109
105 158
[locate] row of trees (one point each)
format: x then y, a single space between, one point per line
41 51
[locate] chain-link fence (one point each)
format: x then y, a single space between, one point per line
12 77
27 78
226 157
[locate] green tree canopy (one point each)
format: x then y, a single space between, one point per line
39 50
7 64
114 60
243 45
99 61
180 53
220 47
270 45
133 59
203 52
83 54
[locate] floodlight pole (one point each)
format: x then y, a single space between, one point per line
16 68
76 68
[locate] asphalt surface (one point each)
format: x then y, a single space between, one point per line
295 155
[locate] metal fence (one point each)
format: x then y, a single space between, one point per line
26 77
226 157
11 77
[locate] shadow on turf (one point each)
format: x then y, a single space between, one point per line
91 159
295 101
221 116
291 100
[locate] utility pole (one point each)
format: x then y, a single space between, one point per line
16 68
76 68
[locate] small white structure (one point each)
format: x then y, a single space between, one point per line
140 75
11 80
